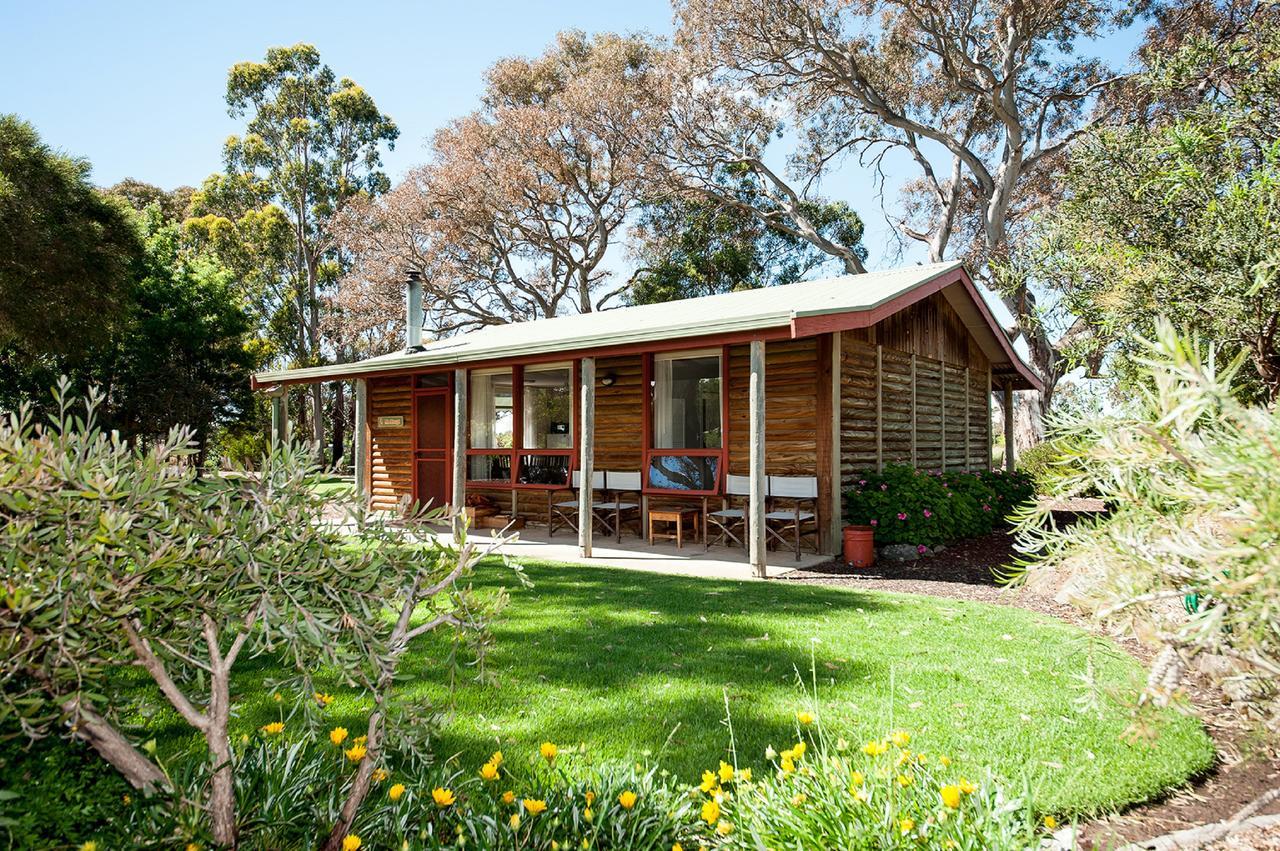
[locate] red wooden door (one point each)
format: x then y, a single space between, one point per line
432 425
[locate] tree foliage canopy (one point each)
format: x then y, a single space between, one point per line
66 250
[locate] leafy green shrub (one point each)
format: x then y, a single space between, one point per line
905 505
927 508
1188 556
1037 462
881 794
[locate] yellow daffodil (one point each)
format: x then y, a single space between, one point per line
275 728
1050 822
338 735
788 765
356 752
906 825
360 740
627 799
443 797
677 847
496 759
857 778
724 827
901 738
514 821
967 787
950 795
904 780
708 781
744 774
534 806
89 846
549 751
350 842
489 771
191 846
380 774
805 718
590 797
587 815
710 812
508 797
396 791
725 772
799 749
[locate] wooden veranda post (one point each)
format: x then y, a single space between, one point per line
586 459
360 440
755 505
1009 460
279 418
458 479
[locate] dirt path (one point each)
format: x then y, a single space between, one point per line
971 570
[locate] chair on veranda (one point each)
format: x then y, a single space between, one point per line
621 503
789 525
561 511
728 523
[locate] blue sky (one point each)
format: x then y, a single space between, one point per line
138 87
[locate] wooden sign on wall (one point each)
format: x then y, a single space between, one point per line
391 422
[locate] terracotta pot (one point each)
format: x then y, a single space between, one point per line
860 545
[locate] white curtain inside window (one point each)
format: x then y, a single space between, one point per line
482 413
663 407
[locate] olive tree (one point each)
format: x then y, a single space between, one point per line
116 555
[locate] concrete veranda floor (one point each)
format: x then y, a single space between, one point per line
693 559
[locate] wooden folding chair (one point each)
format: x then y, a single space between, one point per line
616 508
563 512
728 522
796 522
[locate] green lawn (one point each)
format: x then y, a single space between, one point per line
623 662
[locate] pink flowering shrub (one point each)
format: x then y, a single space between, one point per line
931 507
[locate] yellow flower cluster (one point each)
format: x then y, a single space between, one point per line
275 728
489 771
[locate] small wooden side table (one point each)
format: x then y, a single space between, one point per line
681 517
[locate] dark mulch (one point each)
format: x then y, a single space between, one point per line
973 570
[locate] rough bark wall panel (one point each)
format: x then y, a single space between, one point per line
791 404
928 413
979 437
895 402
390 447
857 408
932 329
619 415
954 405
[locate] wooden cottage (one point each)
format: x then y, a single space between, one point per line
701 398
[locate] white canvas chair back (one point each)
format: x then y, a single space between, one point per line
737 485
794 487
597 479
622 481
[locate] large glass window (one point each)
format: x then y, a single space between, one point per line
492 420
686 402
687 431
548 408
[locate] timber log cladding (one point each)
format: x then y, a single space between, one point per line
390 446
791 375
914 391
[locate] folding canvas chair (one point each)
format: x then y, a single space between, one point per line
728 523
562 511
621 503
788 526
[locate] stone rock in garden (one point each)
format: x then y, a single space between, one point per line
902 552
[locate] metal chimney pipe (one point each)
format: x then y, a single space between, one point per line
413 312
